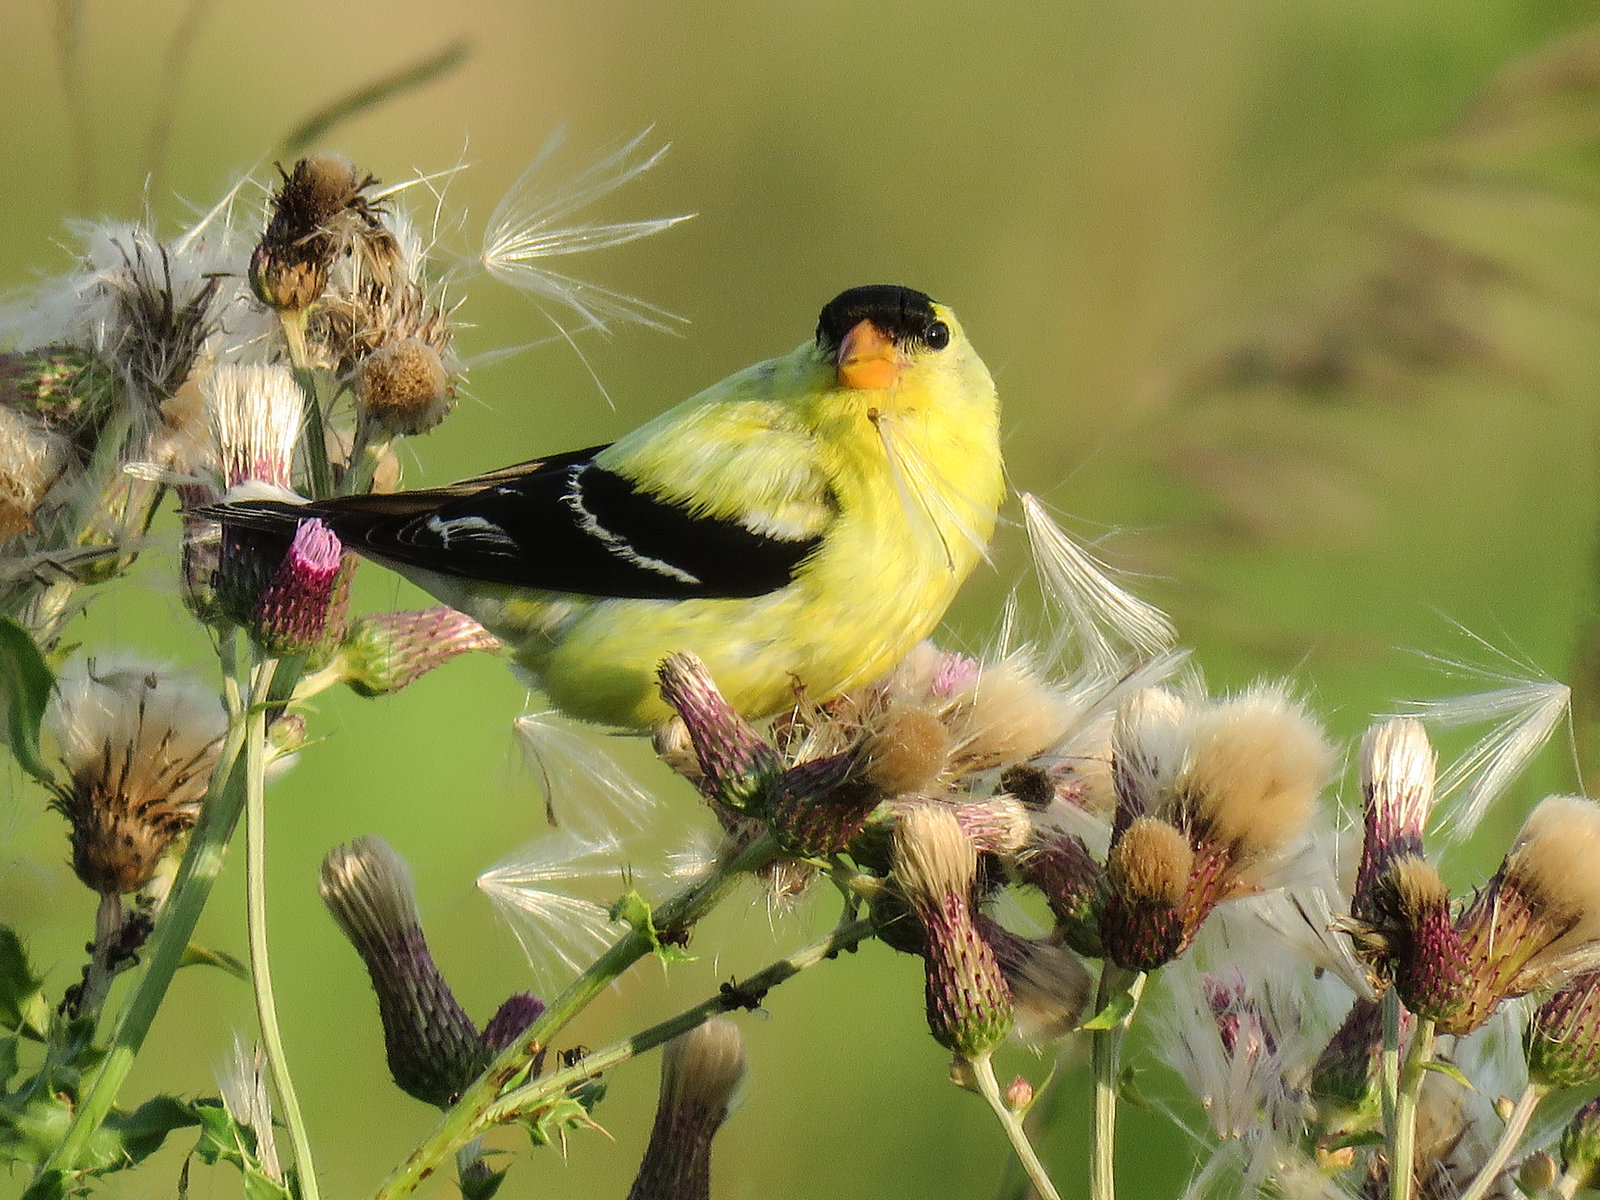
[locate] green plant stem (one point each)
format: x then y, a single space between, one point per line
1516 1126
673 919
746 994
1049 1107
313 434
989 1089
1107 1056
202 863
255 842
1403 1134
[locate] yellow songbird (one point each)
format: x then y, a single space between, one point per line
801 524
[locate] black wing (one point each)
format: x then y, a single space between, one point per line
559 523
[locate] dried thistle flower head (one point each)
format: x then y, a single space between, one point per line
139 748
1397 778
1253 769
1538 920
433 1048
1410 937
320 209
1218 791
404 388
1146 750
1144 922
935 867
256 412
33 459
701 1072
907 751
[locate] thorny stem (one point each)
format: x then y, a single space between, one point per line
313 436
1403 1133
202 863
747 993
1516 1126
1107 1055
255 843
466 1116
989 1089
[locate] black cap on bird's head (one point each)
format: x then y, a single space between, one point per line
867 330
899 313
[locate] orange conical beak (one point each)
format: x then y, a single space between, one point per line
867 359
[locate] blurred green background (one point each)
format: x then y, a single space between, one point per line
1298 301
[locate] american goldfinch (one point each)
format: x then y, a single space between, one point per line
801 524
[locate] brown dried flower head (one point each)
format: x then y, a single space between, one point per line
139 748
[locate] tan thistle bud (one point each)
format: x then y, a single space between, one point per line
701 1072
1397 777
1413 939
139 749
1538 919
907 752
32 459
1148 870
433 1048
404 388
935 867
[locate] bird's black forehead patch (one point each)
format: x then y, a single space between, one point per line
900 312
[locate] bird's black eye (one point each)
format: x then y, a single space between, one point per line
937 336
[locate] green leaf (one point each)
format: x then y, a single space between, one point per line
142 1131
10 1061
25 686
23 1007
52 1185
222 1139
1117 1010
1449 1069
481 1181
196 955
635 910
